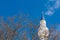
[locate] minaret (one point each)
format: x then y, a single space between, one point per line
43 31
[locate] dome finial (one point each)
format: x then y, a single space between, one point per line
42 15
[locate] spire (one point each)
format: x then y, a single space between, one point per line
42 16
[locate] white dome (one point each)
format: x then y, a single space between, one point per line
43 31
42 22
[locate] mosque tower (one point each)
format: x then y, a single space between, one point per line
43 31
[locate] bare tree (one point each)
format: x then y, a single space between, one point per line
10 30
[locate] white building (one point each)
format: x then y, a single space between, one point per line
43 31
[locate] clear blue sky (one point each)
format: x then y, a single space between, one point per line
32 7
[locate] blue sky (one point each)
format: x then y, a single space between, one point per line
34 8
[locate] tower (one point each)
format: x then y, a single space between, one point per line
43 31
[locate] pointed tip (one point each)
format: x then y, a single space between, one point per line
42 16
